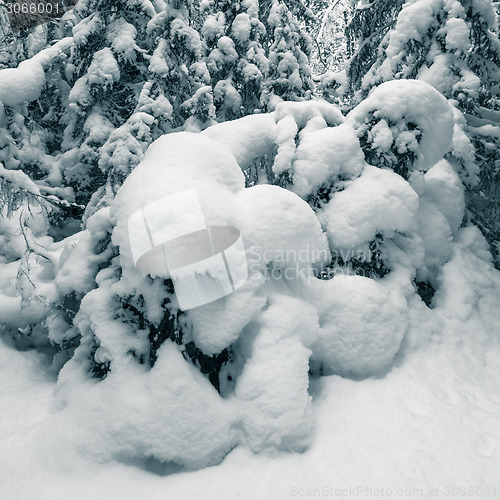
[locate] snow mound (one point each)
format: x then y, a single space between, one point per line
272 388
362 324
176 163
22 84
219 324
435 232
426 113
379 201
151 384
324 156
247 138
280 228
444 187
440 214
468 288
139 413
304 112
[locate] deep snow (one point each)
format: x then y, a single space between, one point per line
432 422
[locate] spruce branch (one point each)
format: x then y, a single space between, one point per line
16 187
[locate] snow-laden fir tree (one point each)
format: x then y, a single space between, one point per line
453 46
105 73
140 362
326 25
290 76
370 23
302 185
257 54
235 59
134 72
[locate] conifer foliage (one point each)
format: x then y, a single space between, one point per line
352 207
453 46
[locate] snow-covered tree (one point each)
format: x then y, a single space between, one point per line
367 232
105 73
453 46
326 24
369 25
235 59
348 217
290 76
30 132
134 73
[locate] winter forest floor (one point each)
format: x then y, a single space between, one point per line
425 429
250 250
429 426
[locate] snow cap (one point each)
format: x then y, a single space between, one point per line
411 101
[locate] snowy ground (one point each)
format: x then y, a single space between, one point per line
429 425
426 426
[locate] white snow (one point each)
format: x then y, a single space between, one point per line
225 53
247 139
285 132
408 393
296 120
121 36
435 231
25 83
213 26
241 27
279 227
454 8
157 63
413 23
438 74
444 188
134 409
425 427
21 84
362 324
272 388
103 69
303 112
457 36
410 101
192 161
219 324
225 93
323 156
377 201
19 180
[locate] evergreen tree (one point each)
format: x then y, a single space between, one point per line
326 25
134 68
233 35
290 76
367 29
105 72
453 46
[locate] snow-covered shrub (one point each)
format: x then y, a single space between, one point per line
452 45
404 125
247 358
346 220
